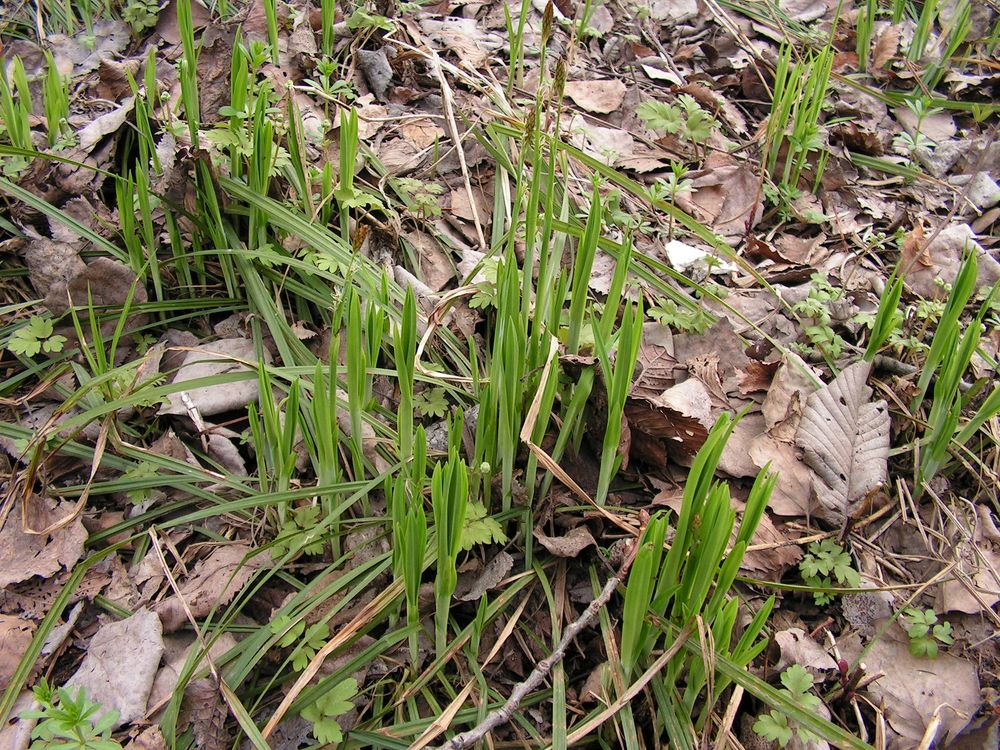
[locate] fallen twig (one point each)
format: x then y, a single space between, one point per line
503 714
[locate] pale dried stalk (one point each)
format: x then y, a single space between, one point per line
503 714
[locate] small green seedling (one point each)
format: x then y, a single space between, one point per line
307 643
775 725
824 564
431 402
926 632
686 118
819 326
301 532
335 702
422 198
34 337
141 15
67 721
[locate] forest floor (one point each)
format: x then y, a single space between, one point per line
386 375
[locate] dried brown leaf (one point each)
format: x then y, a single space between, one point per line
120 665
15 636
845 439
914 690
570 545
210 359
24 555
885 46
213 582
496 570
602 97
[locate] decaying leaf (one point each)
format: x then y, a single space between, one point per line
496 570
50 261
216 358
914 690
570 545
176 650
15 635
104 282
463 36
845 439
941 257
120 665
213 582
151 738
673 424
786 398
793 488
978 554
798 647
728 197
105 125
24 555
601 97
770 553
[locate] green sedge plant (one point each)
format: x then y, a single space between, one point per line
887 318
794 129
864 28
409 530
449 500
955 34
15 109
693 580
618 385
271 21
273 429
947 361
56 99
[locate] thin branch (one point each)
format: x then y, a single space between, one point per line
503 714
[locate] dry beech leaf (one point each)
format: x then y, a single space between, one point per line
151 738
674 424
941 258
176 650
912 690
602 97
216 358
786 397
798 647
208 715
979 557
214 582
105 125
463 36
793 488
655 364
570 545
886 46
103 282
23 555
845 439
728 197
496 570
772 561
120 665
736 460
15 637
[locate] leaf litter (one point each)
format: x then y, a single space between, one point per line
904 182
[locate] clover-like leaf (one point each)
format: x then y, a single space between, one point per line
774 726
660 116
480 528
